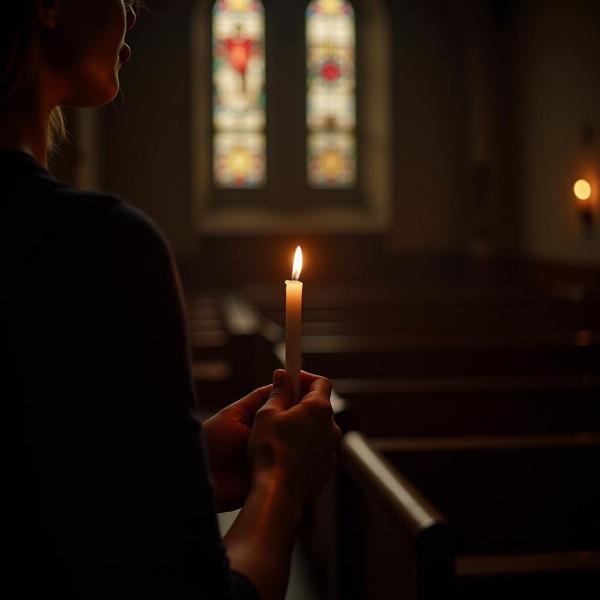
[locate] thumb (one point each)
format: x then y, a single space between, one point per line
281 395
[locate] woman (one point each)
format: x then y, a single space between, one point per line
107 489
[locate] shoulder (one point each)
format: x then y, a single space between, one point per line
51 205
117 223
109 212
109 234
132 226
137 244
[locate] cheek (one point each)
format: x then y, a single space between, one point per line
95 84
93 73
91 79
102 51
102 61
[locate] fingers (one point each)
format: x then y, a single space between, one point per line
321 386
280 396
310 382
315 388
306 381
318 396
251 403
307 378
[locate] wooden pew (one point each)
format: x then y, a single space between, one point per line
486 306
375 308
436 320
208 336
524 512
530 335
508 494
372 294
211 350
368 501
500 405
232 348
390 356
524 508
449 471
468 349
252 342
214 385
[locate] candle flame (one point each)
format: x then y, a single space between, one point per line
297 268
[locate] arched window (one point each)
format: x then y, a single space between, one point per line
296 135
331 89
239 103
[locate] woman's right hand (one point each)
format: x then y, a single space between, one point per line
295 445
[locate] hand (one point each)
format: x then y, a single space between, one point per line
226 436
295 445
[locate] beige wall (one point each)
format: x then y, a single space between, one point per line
557 60
430 117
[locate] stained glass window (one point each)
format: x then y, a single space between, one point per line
239 114
331 102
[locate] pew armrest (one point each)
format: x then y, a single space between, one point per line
416 533
376 476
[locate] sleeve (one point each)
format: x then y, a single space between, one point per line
148 503
243 589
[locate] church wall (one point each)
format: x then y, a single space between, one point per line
429 125
557 62
542 89
146 155
147 133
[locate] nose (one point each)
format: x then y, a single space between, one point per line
131 18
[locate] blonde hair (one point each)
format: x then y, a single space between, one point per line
57 130
19 48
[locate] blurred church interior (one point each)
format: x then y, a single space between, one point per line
439 164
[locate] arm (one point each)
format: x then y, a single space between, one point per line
291 452
261 540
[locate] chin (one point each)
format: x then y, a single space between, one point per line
108 92
96 94
111 94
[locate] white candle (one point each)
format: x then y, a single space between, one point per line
293 325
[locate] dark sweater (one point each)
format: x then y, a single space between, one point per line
106 488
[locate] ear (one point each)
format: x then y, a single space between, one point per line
46 12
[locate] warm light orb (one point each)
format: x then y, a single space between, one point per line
582 190
240 162
332 164
331 7
239 5
297 268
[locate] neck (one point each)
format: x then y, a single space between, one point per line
24 126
